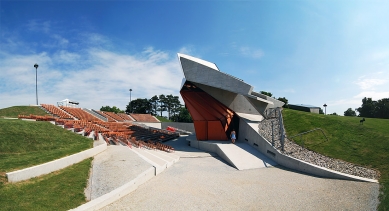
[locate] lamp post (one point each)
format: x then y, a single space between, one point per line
130 101
36 82
325 109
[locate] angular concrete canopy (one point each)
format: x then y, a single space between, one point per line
217 100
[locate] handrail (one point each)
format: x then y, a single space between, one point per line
272 110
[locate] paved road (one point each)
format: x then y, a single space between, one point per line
204 182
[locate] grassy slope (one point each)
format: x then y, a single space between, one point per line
366 145
23 110
24 144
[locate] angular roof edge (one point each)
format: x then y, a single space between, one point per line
203 62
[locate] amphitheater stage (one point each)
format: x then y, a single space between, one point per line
240 155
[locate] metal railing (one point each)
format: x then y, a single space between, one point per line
268 114
275 113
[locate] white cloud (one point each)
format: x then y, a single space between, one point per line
372 94
250 52
370 83
66 57
95 78
39 26
61 42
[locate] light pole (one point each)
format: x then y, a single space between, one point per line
325 109
130 101
36 82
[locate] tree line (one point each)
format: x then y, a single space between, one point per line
371 109
156 106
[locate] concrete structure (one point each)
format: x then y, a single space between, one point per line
303 107
219 103
216 100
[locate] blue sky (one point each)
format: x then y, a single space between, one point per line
311 52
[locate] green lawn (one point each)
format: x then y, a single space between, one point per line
61 190
14 111
28 143
366 145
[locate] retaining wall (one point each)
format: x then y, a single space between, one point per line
46 168
248 134
180 125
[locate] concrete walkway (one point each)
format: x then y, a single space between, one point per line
200 181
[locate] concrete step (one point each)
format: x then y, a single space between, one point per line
168 156
159 163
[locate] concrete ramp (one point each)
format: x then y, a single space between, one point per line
242 156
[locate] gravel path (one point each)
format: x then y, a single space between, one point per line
208 183
113 168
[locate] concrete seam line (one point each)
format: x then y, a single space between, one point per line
55 165
118 193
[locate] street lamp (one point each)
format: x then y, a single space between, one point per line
325 109
130 101
36 82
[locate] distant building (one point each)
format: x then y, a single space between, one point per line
303 107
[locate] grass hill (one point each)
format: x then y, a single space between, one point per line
348 140
28 143
163 119
14 111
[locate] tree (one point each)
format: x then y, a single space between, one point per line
154 104
335 114
350 112
113 109
162 102
172 104
267 93
139 106
368 108
283 99
321 111
183 116
382 108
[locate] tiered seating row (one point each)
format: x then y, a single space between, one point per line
114 116
80 114
79 125
56 111
144 118
37 118
124 116
110 119
124 132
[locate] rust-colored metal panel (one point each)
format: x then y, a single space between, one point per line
216 131
201 130
212 119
